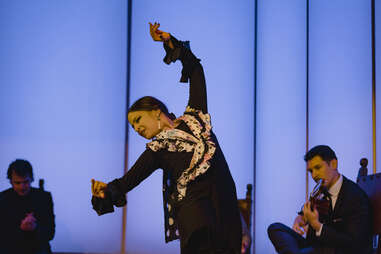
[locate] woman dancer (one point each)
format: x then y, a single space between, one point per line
200 203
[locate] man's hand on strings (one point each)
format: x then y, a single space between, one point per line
300 225
311 215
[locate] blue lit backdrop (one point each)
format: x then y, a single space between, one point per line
62 107
341 80
281 115
378 80
63 101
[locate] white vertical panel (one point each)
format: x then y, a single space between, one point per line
222 35
378 85
62 107
341 80
281 111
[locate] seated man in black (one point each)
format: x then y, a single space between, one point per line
347 228
26 213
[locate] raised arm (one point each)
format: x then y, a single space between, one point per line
192 69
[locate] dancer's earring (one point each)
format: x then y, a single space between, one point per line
158 122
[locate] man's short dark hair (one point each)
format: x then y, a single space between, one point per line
324 151
21 167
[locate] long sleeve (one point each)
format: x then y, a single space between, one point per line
192 70
145 165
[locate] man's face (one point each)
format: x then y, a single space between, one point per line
320 169
20 184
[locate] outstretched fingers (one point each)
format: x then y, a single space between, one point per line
98 188
156 34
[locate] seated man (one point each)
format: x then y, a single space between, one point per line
26 214
346 230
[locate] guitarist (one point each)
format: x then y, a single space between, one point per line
348 229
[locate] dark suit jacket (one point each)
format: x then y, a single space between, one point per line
13 209
349 231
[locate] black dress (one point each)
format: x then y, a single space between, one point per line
198 190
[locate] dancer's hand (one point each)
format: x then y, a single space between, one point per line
156 34
98 188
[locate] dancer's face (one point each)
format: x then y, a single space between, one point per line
145 122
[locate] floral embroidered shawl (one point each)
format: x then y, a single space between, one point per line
200 143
